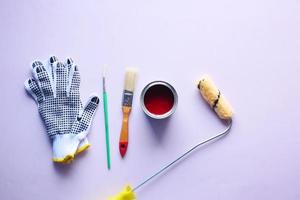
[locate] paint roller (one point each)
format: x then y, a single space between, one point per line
212 95
214 98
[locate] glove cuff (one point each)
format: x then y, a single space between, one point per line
64 147
83 146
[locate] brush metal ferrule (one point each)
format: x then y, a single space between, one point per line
127 98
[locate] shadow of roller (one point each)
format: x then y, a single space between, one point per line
212 95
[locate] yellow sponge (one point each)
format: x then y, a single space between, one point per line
126 194
214 98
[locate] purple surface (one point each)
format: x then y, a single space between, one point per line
250 48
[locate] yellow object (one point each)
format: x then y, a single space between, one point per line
214 98
126 194
83 148
67 159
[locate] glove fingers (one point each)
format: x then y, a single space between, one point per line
33 89
84 120
61 79
42 78
73 78
52 62
69 62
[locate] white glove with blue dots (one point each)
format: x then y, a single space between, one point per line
55 88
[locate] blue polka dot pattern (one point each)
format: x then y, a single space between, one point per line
55 87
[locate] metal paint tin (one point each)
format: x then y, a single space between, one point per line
159 100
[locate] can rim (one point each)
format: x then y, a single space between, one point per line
167 114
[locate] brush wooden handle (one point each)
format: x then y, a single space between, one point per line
123 142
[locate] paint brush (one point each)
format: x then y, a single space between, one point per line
106 117
216 100
126 108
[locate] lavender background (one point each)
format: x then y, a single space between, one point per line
250 48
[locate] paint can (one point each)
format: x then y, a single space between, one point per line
159 99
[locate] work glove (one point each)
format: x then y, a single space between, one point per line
55 88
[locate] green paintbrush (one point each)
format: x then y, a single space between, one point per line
106 119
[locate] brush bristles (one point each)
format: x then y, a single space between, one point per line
130 79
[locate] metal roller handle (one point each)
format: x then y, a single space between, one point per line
225 132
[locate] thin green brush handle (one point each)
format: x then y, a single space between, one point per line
106 129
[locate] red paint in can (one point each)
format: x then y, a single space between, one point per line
159 99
